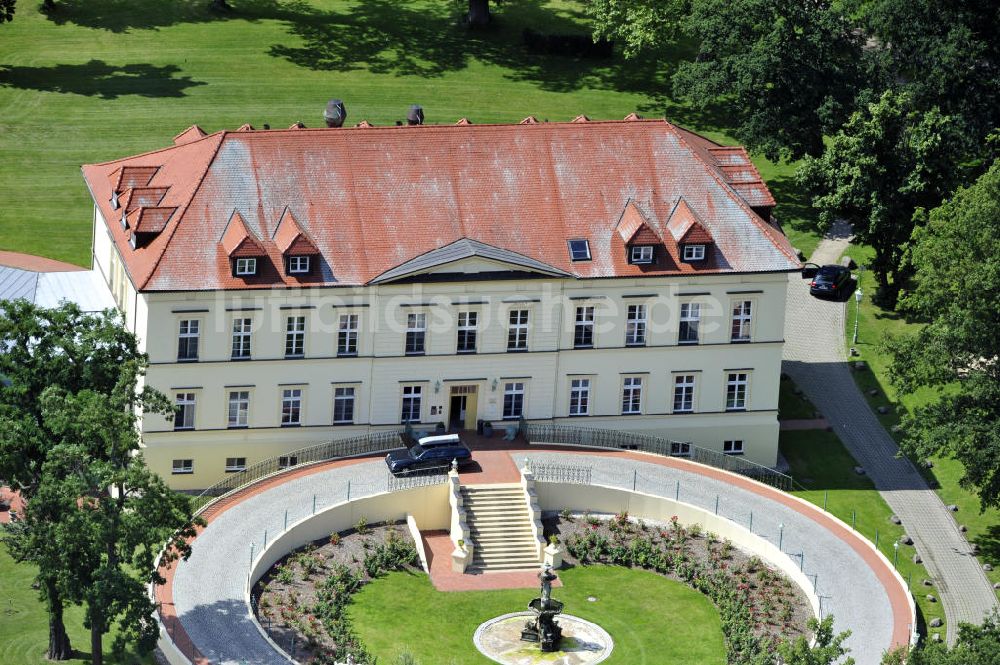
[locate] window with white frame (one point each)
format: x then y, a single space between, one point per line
347 335
741 321
246 267
579 397
184 418
298 265
579 249
286 461
411 404
467 327
632 395
736 391
295 336
635 326
241 338
517 330
291 407
690 319
680 448
513 400
343 405
182 466
684 393
733 447
239 408
641 254
694 252
187 339
416 333
234 464
583 331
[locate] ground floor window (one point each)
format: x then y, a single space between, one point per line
513 400
411 404
286 461
343 405
183 466
733 447
579 397
234 464
680 448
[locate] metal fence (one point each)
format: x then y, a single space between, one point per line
373 442
559 473
603 438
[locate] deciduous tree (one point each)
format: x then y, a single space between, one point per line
827 649
7 10
955 260
638 25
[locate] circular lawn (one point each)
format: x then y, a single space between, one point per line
652 619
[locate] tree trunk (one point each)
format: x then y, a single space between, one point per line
59 646
96 643
479 12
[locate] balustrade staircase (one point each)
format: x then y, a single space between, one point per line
500 527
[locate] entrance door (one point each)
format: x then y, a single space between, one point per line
463 407
456 414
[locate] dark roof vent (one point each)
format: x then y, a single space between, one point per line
335 113
415 116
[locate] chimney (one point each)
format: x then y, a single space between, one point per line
415 115
335 113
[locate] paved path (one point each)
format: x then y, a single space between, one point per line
815 358
207 590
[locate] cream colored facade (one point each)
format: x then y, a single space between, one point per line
381 370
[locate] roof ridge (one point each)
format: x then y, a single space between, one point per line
734 195
158 150
442 126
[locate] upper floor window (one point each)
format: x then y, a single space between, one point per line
347 335
632 395
513 400
241 338
467 328
583 332
291 406
517 332
635 326
187 339
343 405
295 336
684 393
736 391
741 321
246 266
184 417
239 408
694 252
690 318
579 249
298 265
579 397
640 254
416 332
411 404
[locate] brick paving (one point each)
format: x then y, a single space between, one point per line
438 546
814 357
35 263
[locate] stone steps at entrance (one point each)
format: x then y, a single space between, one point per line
500 528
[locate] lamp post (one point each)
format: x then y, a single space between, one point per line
781 535
895 556
857 313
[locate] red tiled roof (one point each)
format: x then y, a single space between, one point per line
139 197
685 226
290 238
192 133
238 240
152 220
374 198
633 227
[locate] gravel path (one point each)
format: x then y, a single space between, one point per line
814 357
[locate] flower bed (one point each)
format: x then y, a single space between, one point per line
759 606
301 600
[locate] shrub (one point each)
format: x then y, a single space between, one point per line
362 525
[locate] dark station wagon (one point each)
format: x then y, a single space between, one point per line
830 280
438 453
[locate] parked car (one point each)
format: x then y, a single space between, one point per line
419 458
830 280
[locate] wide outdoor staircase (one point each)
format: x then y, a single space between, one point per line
500 527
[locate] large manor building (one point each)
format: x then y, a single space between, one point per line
297 286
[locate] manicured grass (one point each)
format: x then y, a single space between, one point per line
792 406
97 80
873 325
825 468
652 620
24 628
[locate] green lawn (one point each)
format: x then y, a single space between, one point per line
24 628
100 79
652 620
792 406
875 323
825 468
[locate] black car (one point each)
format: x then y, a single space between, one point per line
830 281
419 458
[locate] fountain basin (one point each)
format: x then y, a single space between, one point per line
583 642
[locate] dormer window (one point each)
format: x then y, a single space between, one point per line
114 201
298 265
579 250
124 221
640 254
245 266
694 252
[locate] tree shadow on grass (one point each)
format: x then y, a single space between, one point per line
125 15
989 546
100 79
